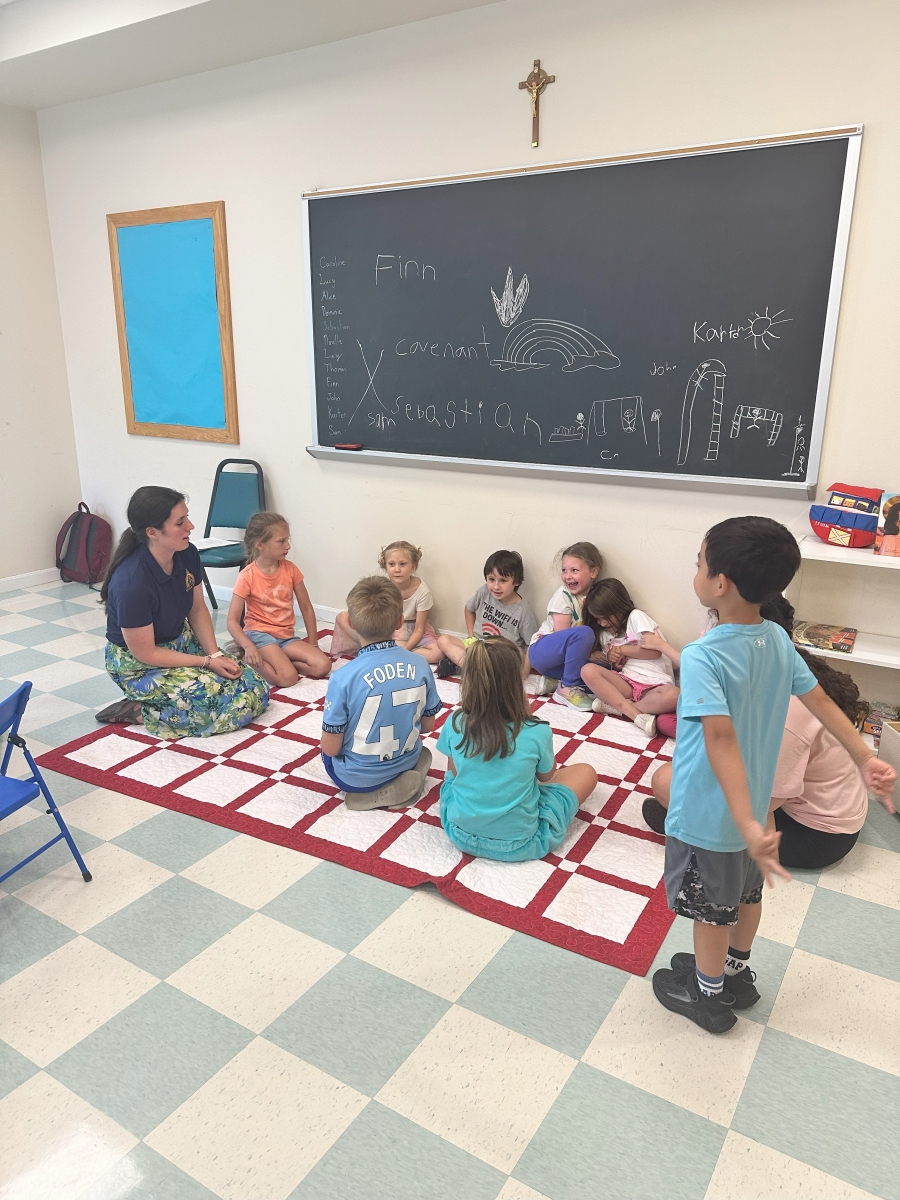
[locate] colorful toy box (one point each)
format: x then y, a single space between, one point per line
850 518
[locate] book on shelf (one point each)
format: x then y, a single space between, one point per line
814 636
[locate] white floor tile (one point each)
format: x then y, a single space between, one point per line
256 971
108 814
72 645
18 767
259 1125
51 1005
482 1087
58 675
18 604
868 873
662 1052
83 621
513 1190
13 622
840 1008
119 878
9 648
55 1145
251 871
432 943
784 910
45 709
747 1170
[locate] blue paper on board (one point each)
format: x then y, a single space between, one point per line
172 323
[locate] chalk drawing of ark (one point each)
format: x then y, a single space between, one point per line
527 341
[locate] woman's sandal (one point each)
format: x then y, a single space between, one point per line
123 712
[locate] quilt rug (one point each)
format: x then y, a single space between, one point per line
601 894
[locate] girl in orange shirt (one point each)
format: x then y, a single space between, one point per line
264 594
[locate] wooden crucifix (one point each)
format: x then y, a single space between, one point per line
535 84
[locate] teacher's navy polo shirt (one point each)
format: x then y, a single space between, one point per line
141 593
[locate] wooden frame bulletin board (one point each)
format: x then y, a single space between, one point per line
173 316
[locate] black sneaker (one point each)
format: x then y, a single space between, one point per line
654 815
680 993
447 668
739 987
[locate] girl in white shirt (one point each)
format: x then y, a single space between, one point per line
639 683
399 562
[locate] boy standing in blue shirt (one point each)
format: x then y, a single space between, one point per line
735 687
376 707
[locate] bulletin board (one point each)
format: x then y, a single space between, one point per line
173 316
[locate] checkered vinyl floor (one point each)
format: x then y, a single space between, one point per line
217 1016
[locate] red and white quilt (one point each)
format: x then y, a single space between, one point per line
601 894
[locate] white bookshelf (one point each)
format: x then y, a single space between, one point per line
872 649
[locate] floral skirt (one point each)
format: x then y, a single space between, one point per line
179 702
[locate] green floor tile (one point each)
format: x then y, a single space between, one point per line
64 788
567 999
881 828
19 843
169 926
383 1156
337 905
67 730
99 689
21 661
27 936
139 1066
358 1024
604 1138
15 1069
145 1175
34 635
854 932
769 960
825 1109
174 841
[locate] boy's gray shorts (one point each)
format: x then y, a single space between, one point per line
710 885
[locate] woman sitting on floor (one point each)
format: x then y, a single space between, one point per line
161 646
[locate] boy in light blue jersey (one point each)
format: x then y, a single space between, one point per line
720 844
377 706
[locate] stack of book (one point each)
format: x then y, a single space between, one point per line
814 636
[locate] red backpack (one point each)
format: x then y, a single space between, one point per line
83 547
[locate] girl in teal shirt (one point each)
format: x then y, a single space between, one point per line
503 796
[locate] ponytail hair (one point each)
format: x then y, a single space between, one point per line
149 508
260 528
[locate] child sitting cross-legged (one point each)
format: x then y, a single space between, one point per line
377 706
495 611
639 682
503 796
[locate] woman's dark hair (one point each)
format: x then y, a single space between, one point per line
608 598
492 703
837 685
148 508
507 563
892 520
757 554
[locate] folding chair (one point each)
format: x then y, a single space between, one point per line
236 496
16 793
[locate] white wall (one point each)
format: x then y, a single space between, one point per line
38 467
437 97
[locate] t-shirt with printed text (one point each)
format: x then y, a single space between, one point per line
269 599
377 702
515 622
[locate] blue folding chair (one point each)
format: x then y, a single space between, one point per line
16 793
236 496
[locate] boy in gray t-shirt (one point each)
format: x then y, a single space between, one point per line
496 610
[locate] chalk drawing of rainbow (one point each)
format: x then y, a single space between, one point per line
579 347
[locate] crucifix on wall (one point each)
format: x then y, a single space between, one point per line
536 83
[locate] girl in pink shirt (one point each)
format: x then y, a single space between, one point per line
264 595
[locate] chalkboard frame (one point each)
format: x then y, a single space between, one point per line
851 133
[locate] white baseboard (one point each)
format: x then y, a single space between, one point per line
12 583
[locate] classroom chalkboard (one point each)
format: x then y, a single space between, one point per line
672 316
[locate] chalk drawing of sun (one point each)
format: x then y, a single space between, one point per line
760 326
